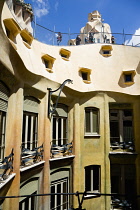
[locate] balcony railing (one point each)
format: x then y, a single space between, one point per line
61 151
123 146
30 157
6 167
120 204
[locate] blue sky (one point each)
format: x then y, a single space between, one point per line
71 15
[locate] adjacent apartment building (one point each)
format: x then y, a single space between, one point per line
69 118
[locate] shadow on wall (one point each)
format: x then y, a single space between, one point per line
138 68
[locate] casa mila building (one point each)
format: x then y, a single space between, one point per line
69 118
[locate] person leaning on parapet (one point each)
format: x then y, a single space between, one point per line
59 38
78 40
112 39
90 37
86 40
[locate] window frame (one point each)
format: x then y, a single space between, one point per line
105 49
120 119
31 143
50 60
91 132
92 171
87 72
60 197
125 73
2 133
65 54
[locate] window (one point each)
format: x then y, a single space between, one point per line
92 178
29 203
106 50
85 74
129 76
27 38
2 133
4 96
91 121
30 128
59 125
121 125
30 123
59 201
48 62
12 28
65 54
123 179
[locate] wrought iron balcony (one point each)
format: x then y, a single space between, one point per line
61 151
125 146
6 167
31 157
120 204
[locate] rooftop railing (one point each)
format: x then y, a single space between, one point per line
49 36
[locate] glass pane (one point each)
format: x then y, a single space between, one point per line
23 131
127 131
114 131
88 179
84 76
65 196
96 178
95 121
64 131
29 132
52 197
59 131
35 130
87 120
58 196
128 113
54 131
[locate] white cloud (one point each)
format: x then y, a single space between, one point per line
135 40
41 7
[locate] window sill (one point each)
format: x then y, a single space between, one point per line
66 59
90 195
62 157
4 182
27 45
49 70
87 81
128 83
92 135
31 166
13 44
106 55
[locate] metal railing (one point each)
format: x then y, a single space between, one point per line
125 146
49 36
6 167
59 151
30 157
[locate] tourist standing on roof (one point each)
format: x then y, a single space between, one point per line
78 40
59 38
